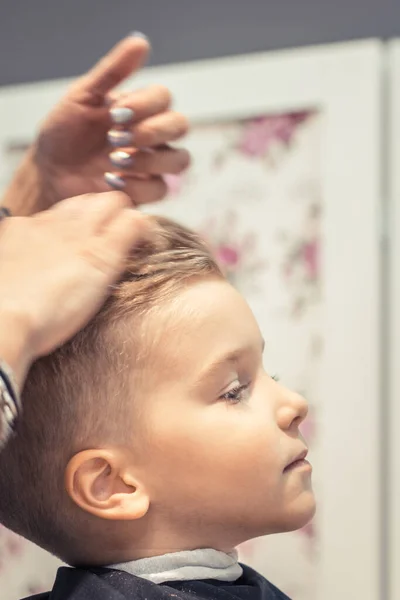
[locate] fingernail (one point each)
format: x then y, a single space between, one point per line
120 138
121 159
139 34
121 115
114 181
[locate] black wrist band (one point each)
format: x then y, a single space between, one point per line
10 403
10 386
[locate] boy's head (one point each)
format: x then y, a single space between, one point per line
156 429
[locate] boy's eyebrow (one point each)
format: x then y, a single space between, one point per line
231 357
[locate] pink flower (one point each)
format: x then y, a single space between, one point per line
227 256
10 544
307 428
308 530
36 588
174 183
247 550
310 252
310 534
15 545
259 134
234 253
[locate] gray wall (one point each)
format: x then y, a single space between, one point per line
42 39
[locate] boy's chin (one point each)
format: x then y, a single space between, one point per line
299 516
296 516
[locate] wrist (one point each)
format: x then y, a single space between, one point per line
16 344
29 191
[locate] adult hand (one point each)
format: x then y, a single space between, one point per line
56 269
92 122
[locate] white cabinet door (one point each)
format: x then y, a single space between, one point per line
392 409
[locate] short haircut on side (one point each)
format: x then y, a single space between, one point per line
76 398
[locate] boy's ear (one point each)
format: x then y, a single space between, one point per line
101 483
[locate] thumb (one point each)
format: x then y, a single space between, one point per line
123 60
108 252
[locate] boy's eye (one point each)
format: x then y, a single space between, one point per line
238 393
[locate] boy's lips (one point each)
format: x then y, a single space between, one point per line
297 461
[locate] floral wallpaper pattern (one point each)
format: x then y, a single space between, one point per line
254 192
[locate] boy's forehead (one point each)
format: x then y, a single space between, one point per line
203 322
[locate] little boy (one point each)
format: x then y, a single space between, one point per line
154 442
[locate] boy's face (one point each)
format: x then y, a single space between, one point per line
218 432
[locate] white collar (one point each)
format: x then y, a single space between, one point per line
186 565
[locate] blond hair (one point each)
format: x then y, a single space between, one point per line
77 397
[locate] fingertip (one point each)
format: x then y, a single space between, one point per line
137 40
140 222
139 35
124 59
128 229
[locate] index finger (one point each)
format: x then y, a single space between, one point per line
124 59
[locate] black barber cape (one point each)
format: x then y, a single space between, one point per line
109 584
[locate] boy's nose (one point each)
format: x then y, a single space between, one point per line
292 410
